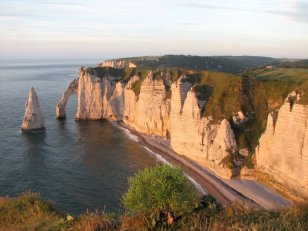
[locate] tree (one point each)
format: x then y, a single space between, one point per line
159 189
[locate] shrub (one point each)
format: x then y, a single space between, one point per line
162 189
29 212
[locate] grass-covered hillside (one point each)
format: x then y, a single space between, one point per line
230 64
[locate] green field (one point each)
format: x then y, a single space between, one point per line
285 74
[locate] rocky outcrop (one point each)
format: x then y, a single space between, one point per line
224 143
283 148
33 118
196 137
90 96
148 113
115 105
118 64
239 118
71 90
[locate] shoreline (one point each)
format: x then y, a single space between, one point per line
248 192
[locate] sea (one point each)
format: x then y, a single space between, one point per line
78 166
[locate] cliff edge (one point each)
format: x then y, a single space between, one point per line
283 148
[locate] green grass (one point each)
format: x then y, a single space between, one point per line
285 74
30 212
122 74
230 64
142 74
236 217
171 74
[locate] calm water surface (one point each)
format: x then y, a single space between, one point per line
75 165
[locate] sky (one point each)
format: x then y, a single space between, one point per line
125 28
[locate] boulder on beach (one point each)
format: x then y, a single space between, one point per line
33 118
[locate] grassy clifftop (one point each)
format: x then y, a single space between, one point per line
30 212
230 64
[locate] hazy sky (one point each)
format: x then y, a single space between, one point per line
116 28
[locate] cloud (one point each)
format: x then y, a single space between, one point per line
65 5
9 18
188 24
297 12
209 6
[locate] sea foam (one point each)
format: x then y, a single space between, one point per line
129 134
164 161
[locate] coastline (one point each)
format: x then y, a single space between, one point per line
227 191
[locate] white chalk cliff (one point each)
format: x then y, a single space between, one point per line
151 112
90 96
196 137
148 113
118 64
115 104
283 148
33 117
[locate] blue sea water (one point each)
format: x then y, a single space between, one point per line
75 165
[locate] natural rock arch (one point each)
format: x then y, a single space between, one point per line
71 90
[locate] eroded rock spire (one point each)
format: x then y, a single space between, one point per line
33 117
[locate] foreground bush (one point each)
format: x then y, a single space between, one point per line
162 189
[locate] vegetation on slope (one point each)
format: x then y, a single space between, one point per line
167 75
29 212
297 75
303 63
221 92
257 93
230 64
142 74
123 74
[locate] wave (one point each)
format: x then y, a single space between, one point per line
129 134
196 184
157 156
164 161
